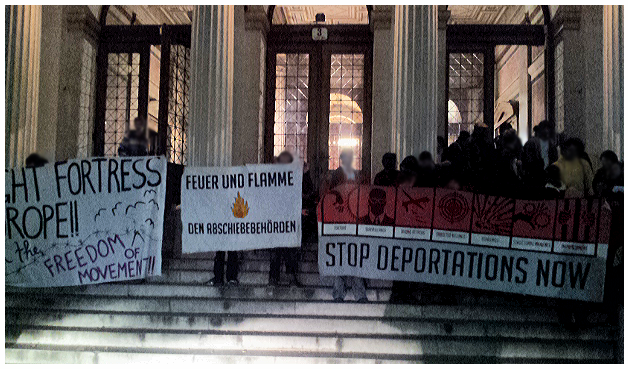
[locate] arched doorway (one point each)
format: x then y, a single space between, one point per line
318 98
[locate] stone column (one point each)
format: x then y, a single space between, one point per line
442 72
579 74
211 85
415 80
67 79
382 84
613 73
250 28
21 83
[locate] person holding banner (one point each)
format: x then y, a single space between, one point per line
219 269
288 255
346 173
575 171
35 160
387 176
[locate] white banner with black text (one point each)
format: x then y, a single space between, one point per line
241 208
84 221
552 248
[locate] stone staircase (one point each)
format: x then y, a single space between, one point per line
174 318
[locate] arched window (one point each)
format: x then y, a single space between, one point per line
454 122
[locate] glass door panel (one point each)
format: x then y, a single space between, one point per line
346 107
290 129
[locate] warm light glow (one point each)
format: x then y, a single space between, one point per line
348 142
454 115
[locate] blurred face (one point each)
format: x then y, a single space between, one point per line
284 159
347 159
616 171
543 134
453 185
426 164
139 125
408 182
510 145
606 163
503 131
570 152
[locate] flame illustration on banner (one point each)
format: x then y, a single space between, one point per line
240 207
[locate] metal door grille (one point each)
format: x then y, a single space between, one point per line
346 104
123 78
465 92
178 104
290 130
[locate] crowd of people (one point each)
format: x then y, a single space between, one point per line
548 166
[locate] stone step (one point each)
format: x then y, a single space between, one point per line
462 297
248 307
391 347
197 290
20 318
199 276
58 355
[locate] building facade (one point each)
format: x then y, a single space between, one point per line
225 85
233 85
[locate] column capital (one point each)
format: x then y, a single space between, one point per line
567 17
256 19
80 18
382 17
443 16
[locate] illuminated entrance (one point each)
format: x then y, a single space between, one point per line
319 95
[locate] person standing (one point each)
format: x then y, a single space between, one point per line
135 142
575 171
345 173
509 167
288 255
388 175
456 153
35 160
538 154
601 183
219 269
480 173
426 170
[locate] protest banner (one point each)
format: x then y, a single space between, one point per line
241 208
84 221
546 248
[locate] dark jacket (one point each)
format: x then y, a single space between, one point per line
134 144
386 177
533 163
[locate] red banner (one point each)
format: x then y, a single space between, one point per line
568 226
492 220
339 209
413 212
